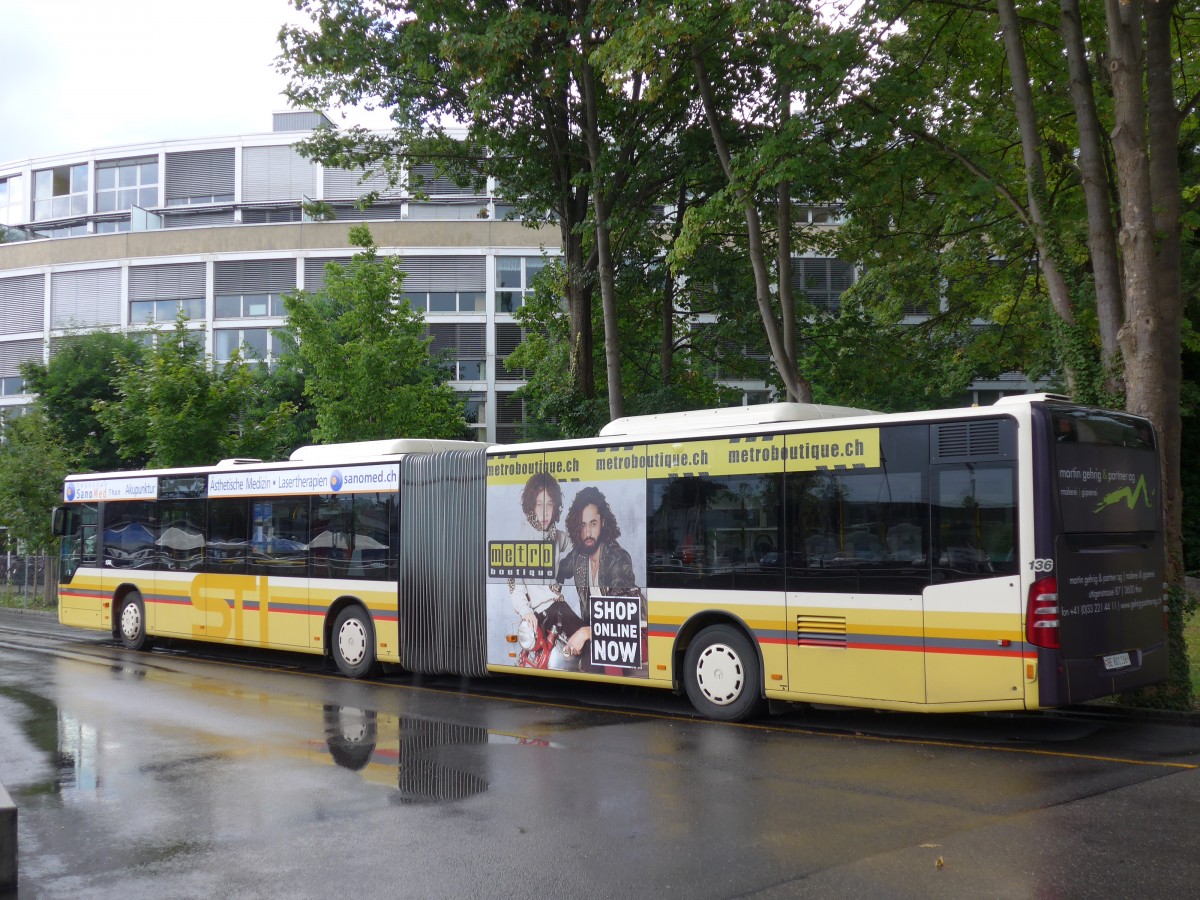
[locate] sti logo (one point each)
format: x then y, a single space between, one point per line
335 481
70 492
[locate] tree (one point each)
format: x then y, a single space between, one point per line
369 374
564 144
83 370
1067 135
34 460
505 73
767 75
176 408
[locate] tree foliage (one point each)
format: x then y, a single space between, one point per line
34 460
369 373
564 144
175 408
83 370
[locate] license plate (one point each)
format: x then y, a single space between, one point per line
1116 661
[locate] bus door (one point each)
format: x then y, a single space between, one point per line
128 554
225 594
77 602
974 637
180 553
273 608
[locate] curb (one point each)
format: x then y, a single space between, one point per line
28 611
8 842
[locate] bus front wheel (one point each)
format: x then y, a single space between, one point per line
354 642
722 674
131 622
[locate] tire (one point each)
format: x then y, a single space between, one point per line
131 622
722 675
354 642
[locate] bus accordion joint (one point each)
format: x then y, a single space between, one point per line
1041 618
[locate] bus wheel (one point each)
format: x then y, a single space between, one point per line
131 622
354 642
721 673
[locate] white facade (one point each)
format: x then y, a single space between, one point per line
123 237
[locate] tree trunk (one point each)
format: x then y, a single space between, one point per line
1035 175
784 364
667 347
1148 175
572 207
600 209
1150 235
783 262
1102 240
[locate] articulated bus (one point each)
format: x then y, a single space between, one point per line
1000 558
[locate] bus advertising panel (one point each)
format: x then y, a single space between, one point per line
566 573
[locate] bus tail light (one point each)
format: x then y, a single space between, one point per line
1041 616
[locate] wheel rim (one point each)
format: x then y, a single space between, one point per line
720 674
131 621
352 641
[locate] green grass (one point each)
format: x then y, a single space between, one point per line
13 600
1191 634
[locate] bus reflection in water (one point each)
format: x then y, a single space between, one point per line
1008 557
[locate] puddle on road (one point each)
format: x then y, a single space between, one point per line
425 760
433 761
68 744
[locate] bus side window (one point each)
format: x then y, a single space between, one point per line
371 556
974 521
715 533
130 535
279 537
227 537
331 545
863 531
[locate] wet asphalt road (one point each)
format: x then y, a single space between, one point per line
188 772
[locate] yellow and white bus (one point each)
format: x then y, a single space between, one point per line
1000 558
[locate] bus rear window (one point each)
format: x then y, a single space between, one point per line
1087 426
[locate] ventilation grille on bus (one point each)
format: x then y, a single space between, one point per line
987 439
442 603
821 631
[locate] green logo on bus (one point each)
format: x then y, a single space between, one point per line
1128 494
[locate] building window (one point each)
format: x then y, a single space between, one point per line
256 344
508 338
514 280
475 409
248 306
822 281
461 348
446 301
12 386
79 228
60 192
12 201
142 312
125 183
510 417
112 226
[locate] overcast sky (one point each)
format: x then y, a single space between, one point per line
78 75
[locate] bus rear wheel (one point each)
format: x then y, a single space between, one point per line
354 642
722 675
131 622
